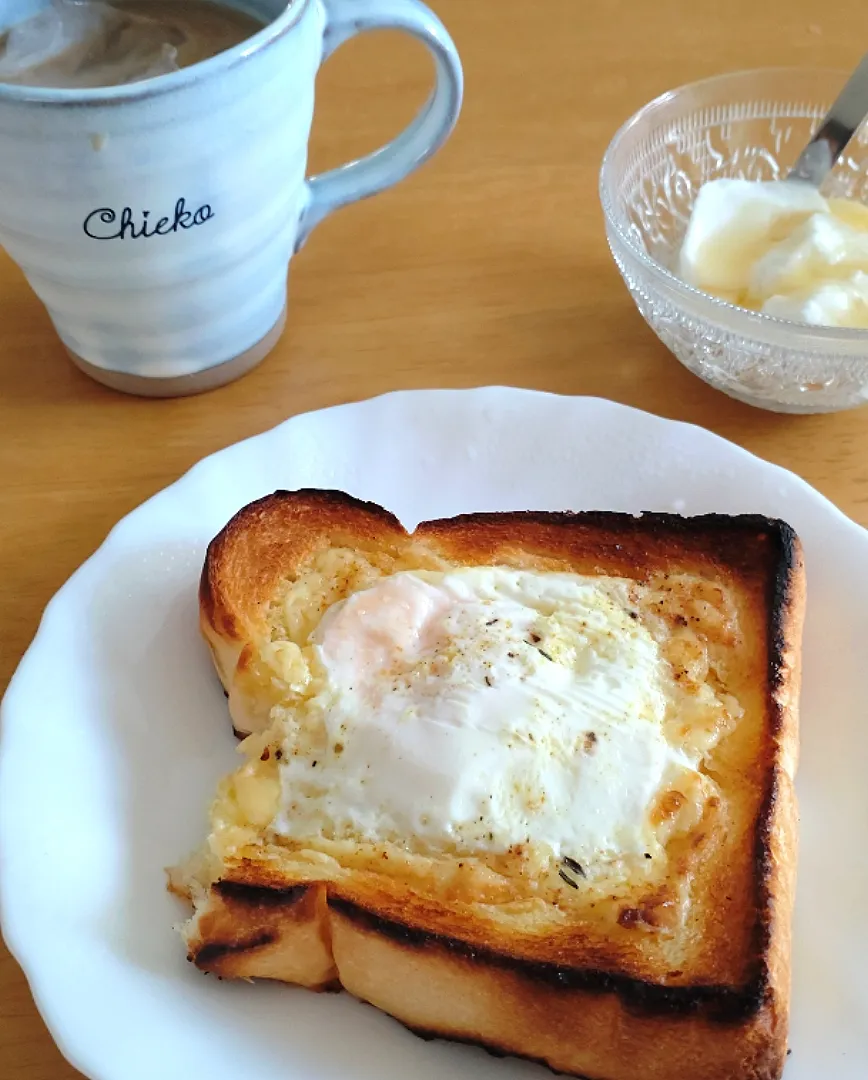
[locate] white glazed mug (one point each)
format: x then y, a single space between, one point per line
156 220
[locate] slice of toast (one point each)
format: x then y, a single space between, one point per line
631 964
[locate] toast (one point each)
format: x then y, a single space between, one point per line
657 947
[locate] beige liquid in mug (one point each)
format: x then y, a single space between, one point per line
81 44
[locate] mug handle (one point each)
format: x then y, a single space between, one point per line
417 142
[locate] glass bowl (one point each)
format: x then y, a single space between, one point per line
750 124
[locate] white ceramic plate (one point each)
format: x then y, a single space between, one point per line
115 731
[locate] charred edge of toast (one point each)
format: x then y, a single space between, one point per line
214 951
706 528
781 601
660 521
788 560
719 1003
251 896
657 523
260 895
312 498
497 1051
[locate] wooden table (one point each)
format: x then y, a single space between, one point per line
488 266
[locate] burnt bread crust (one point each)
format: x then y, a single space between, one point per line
720 1003
593 1019
625 1029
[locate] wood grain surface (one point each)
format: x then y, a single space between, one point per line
488 266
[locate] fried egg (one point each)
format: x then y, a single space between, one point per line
481 709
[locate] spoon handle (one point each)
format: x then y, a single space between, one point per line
836 129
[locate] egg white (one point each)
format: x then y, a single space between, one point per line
481 709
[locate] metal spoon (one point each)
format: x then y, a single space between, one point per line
838 127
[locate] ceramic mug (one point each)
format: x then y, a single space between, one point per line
156 220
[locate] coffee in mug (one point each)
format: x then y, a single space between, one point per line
80 44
